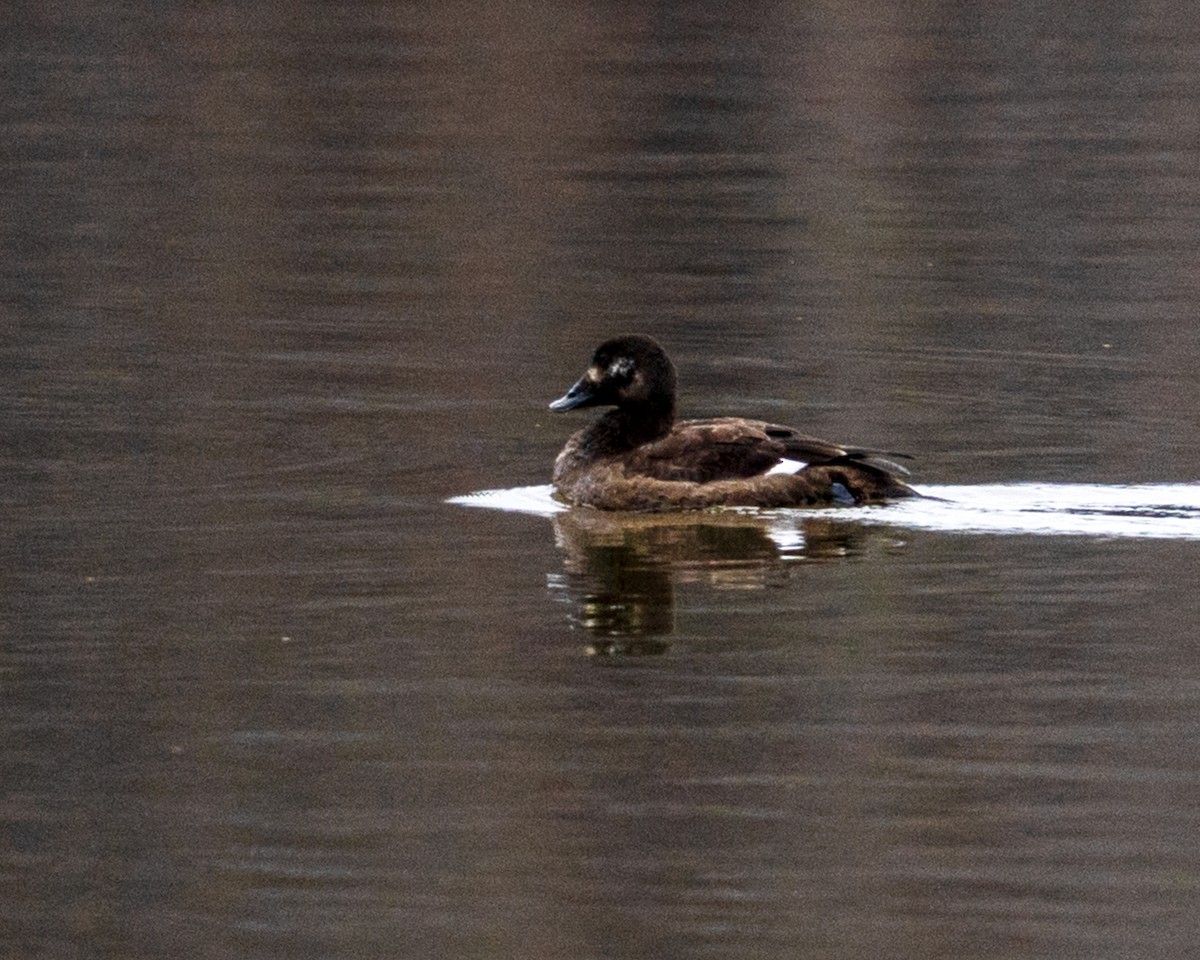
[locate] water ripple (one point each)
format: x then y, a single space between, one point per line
1147 510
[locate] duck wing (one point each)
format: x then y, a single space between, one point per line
815 452
731 448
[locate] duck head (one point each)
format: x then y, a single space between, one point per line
628 371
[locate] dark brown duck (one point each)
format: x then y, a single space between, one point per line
638 457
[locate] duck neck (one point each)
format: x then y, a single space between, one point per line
633 425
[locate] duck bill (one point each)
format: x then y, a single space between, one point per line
583 394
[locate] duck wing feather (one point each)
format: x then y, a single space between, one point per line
732 448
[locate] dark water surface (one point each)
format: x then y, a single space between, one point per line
278 280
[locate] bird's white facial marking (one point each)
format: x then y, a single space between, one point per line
621 367
594 374
786 467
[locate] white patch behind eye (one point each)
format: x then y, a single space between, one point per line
786 467
621 367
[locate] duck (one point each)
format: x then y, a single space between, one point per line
638 457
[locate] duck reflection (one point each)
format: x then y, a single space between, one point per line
622 569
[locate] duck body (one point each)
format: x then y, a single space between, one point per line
638 457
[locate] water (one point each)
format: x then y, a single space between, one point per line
1130 510
277 285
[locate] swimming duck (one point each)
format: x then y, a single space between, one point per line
638 457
